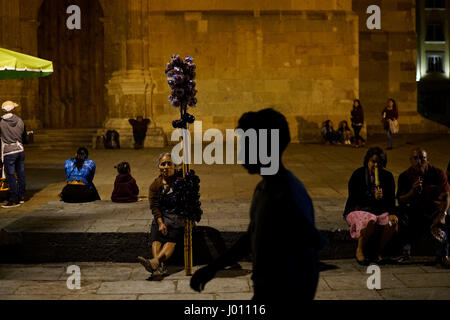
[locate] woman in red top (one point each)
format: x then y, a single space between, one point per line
390 114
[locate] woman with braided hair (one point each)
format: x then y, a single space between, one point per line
80 172
168 225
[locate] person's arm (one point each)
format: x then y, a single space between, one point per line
443 182
68 168
24 135
405 192
353 195
240 249
441 218
443 201
91 174
154 202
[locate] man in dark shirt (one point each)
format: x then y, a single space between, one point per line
423 195
140 126
282 228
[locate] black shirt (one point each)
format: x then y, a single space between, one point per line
361 193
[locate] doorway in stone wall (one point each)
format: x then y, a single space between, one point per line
73 97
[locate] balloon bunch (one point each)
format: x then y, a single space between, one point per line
181 75
186 195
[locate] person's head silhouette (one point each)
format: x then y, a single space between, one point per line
276 140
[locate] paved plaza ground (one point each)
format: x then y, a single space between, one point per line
226 192
325 171
346 280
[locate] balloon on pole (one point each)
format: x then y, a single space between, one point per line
181 78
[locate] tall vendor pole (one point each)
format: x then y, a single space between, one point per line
181 76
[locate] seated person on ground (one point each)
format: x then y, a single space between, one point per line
168 225
371 201
328 132
125 187
345 133
422 195
140 127
80 172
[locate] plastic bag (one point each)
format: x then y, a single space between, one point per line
394 126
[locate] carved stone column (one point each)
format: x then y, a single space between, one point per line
129 87
30 87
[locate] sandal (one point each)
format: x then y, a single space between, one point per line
146 264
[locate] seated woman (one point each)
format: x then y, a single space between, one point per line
80 173
345 133
328 132
168 226
371 201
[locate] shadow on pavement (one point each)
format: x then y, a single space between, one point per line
37 179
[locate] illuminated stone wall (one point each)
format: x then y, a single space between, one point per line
307 59
388 60
302 63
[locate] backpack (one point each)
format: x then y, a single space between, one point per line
112 140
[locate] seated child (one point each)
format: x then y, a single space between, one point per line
125 187
344 132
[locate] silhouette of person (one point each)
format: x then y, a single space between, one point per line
140 127
282 233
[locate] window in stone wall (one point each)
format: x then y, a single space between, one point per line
435 32
435 62
435 4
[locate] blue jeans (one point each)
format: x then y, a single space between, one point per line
389 134
14 163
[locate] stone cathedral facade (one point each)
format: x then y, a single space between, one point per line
306 58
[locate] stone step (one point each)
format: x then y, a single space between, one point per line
47 139
44 140
104 231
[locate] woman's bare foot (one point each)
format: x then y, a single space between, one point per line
360 255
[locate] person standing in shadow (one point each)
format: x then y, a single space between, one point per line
358 122
282 233
140 127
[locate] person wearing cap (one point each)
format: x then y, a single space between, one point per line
12 129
